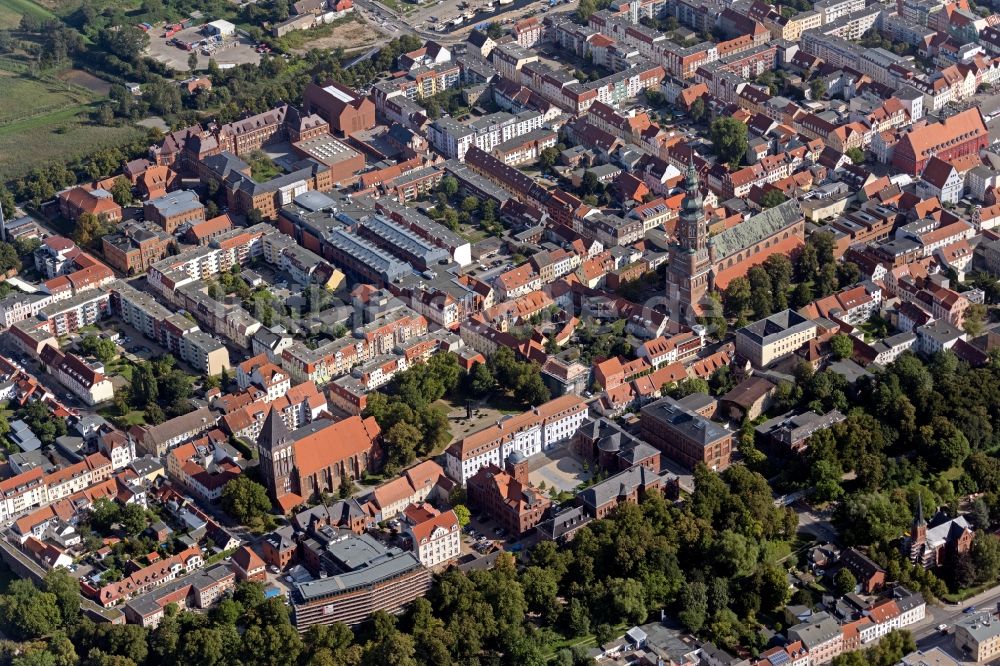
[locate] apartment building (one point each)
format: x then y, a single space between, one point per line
977 637
175 332
435 536
84 382
134 248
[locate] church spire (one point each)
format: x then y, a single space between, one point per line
692 233
920 512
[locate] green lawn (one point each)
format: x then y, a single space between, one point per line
262 167
584 641
966 592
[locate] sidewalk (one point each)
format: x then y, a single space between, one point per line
985 596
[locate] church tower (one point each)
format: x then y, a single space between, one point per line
919 524
276 451
690 265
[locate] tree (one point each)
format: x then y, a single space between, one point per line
9 259
103 349
841 346
346 488
779 269
584 10
67 592
448 186
689 385
470 204
89 230
943 444
694 606
737 297
761 292
8 204
462 514
481 380
729 136
192 61
104 513
627 600
133 519
144 388
402 442
154 414
589 184
817 88
26 612
548 158
975 318
856 154
245 500
697 109
985 555
121 191
772 198
531 388
844 581
40 420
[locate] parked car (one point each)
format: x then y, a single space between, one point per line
969 609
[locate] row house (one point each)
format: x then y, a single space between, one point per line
67 481
338 357
416 485
853 306
947 86
664 350
143 579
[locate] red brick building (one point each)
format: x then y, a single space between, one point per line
135 248
962 134
311 460
345 110
507 497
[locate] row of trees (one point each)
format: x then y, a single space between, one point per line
777 283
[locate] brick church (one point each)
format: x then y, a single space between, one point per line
303 463
700 264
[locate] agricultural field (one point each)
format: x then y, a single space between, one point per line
11 12
55 126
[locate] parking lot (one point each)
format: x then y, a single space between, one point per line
233 51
